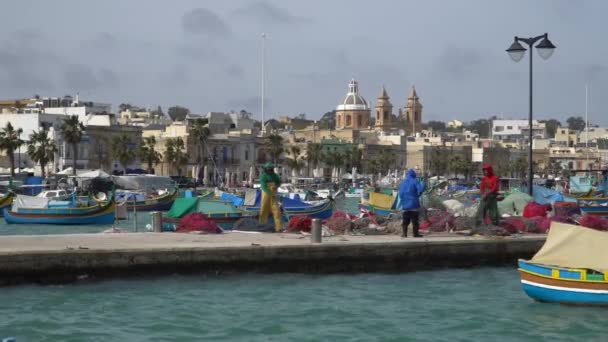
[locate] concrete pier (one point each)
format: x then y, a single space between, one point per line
66 258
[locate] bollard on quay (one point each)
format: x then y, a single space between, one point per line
157 221
315 236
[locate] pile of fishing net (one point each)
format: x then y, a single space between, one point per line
248 224
516 224
464 223
197 222
299 223
340 223
533 209
513 204
594 222
342 214
438 221
432 201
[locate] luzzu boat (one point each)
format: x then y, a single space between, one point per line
6 201
139 202
43 211
571 267
293 207
593 205
379 203
224 213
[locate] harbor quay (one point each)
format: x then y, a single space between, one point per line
48 259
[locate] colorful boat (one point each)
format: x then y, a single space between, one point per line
62 212
593 205
570 268
6 201
378 203
292 207
224 213
137 200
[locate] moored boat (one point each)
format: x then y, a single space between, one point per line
570 268
6 201
593 205
25 209
146 202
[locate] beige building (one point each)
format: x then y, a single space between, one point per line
412 113
353 111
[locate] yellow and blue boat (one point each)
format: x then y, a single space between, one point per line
571 267
6 201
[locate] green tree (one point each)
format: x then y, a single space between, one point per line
333 159
146 153
200 132
519 167
10 141
72 131
314 154
386 159
102 151
123 151
177 113
576 123
274 147
438 126
353 157
328 120
41 149
460 165
551 127
438 161
175 154
480 126
372 166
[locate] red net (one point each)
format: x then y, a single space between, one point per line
299 223
197 222
534 209
595 222
339 225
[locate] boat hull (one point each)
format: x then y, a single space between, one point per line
565 286
5 203
593 205
377 210
103 215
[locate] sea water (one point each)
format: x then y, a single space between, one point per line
483 304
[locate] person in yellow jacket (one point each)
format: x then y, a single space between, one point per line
269 183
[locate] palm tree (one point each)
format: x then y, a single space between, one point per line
274 146
314 154
41 149
353 157
295 162
10 141
333 159
101 151
200 132
372 166
174 153
122 150
72 131
148 154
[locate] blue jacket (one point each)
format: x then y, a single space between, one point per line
410 191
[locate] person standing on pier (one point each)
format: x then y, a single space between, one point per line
269 183
489 194
410 191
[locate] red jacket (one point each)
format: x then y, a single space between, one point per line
489 183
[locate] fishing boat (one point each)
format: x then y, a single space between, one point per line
6 201
292 207
224 213
378 203
140 201
593 205
38 210
570 268
58 195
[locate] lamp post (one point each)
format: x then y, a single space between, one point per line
516 52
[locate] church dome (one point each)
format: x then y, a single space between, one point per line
353 101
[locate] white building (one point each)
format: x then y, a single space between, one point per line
516 130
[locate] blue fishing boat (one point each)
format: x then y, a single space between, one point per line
83 211
292 207
570 268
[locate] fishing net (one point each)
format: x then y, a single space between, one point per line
197 222
594 222
541 224
339 225
464 223
533 209
299 223
439 221
566 209
516 224
432 201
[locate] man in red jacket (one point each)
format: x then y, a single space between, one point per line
489 193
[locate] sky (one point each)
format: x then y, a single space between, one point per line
207 55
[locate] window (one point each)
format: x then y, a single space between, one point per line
377 115
509 127
499 128
359 121
348 121
385 115
563 131
247 154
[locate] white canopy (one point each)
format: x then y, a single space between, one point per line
67 171
93 174
574 247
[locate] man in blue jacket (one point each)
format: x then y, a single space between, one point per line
409 199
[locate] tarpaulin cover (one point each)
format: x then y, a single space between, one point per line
514 203
182 206
143 182
580 184
381 200
575 247
543 195
238 201
22 201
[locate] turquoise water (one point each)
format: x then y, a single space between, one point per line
484 304
143 218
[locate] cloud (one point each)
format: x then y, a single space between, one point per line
200 52
458 62
203 21
82 77
265 12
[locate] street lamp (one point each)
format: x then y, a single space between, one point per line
516 51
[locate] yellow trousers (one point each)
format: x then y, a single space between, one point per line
270 203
